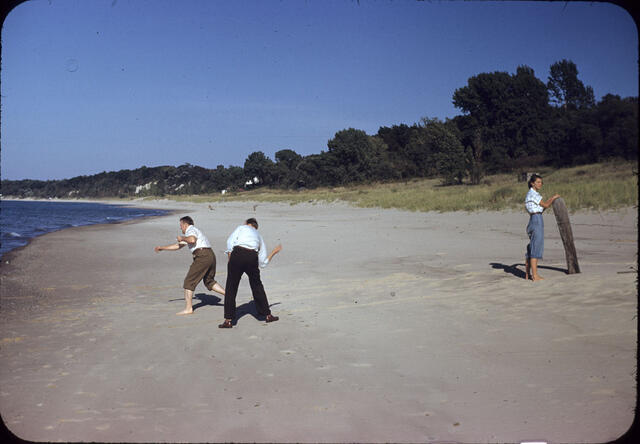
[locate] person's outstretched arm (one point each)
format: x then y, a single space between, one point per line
275 251
172 247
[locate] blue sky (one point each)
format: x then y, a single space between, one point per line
103 85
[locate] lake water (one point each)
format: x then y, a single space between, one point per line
21 221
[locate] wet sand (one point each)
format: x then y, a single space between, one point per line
394 326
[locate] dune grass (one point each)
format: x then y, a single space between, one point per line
602 186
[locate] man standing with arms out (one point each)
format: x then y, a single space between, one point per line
203 267
246 249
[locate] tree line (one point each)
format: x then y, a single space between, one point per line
509 123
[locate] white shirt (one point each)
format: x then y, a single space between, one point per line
532 202
201 239
248 237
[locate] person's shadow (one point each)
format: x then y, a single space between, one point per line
513 269
249 308
206 299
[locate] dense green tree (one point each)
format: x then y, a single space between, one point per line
236 177
441 139
402 149
473 151
511 110
618 123
288 158
418 154
573 138
566 90
314 170
353 156
396 137
382 167
259 166
285 172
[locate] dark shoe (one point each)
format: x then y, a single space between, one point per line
271 318
225 324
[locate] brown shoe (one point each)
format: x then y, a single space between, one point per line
271 318
225 324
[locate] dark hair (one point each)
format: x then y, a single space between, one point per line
251 221
533 178
186 220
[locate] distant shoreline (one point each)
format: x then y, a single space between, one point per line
8 255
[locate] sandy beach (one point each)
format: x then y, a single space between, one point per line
394 327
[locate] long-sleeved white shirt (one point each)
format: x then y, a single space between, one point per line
248 237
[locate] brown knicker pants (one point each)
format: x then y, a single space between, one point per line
203 268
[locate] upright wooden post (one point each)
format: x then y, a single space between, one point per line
564 226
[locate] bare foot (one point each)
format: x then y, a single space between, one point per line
185 312
218 289
538 278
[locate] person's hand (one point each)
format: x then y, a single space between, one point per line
277 249
157 249
179 238
555 196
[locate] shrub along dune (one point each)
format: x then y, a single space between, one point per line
602 186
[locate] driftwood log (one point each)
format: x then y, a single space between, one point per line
564 226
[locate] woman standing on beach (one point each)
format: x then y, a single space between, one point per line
535 229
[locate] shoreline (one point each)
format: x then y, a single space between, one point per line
5 256
394 326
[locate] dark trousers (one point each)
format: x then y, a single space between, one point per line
242 261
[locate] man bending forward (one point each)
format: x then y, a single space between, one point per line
203 267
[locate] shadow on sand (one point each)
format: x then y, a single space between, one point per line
249 308
207 299
512 269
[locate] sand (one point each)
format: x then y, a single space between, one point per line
394 326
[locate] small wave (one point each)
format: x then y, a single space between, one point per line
14 234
